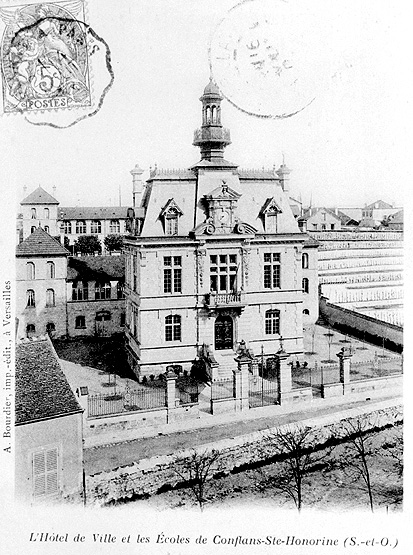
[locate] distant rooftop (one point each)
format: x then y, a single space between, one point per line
40 243
39 196
92 213
42 390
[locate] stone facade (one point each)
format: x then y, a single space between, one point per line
41 287
217 258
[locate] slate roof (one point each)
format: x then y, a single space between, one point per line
262 174
42 390
98 268
379 204
92 213
40 243
39 196
396 218
309 213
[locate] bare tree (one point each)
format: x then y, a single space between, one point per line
357 454
196 469
300 448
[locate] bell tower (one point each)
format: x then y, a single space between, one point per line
211 137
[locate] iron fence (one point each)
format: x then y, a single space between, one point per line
188 394
378 367
118 403
262 392
222 390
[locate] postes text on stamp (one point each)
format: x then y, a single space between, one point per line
44 57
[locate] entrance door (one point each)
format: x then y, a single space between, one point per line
224 338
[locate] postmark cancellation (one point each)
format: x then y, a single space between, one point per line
44 57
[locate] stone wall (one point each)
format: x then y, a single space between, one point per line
342 318
147 476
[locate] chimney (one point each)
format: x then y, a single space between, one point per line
284 176
137 187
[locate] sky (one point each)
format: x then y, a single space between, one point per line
347 148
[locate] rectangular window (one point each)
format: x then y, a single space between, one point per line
173 328
80 291
114 226
171 223
67 228
122 319
95 226
172 274
80 227
45 472
272 322
80 322
272 270
102 291
223 270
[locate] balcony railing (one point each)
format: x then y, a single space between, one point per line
216 300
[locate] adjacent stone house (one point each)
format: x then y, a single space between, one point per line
95 295
41 270
48 427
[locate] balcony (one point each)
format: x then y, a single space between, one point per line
235 299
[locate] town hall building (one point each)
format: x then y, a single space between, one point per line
215 260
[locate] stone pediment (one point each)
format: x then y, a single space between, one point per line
270 207
223 192
171 208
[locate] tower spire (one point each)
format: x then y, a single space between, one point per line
211 137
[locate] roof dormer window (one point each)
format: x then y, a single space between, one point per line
171 214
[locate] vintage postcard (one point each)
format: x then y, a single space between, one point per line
202 279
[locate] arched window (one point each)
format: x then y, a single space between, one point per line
30 330
306 285
30 270
102 291
272 322
208 114
32 229
66 227
34 214
173 328
79 291
31 301
51 270
80 227
304 260
96 226
46 214
47 229
50 297
213 114
80 322
50 328
171 223
306 312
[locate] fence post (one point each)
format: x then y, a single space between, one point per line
82 393
344 357
171 378
241 382
283 375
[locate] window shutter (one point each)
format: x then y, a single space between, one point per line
45 472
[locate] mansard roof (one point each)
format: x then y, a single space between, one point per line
42 390
40 243
39 196
96 268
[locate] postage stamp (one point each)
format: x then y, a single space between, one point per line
264 57
45 57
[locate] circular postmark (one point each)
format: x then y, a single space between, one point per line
46 55
265 58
